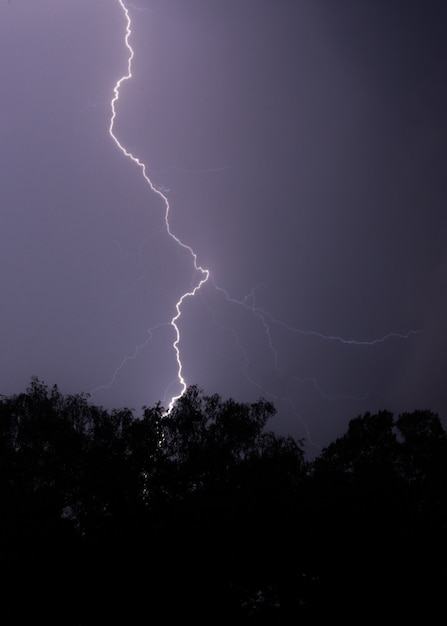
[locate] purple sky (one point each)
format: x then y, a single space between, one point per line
301 146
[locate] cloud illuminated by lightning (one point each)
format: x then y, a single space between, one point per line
202 271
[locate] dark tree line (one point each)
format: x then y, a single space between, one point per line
206 515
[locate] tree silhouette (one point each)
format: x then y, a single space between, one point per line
383 486
203 513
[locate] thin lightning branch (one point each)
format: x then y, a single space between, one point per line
313 333
267 320
128 358
249 302
202 271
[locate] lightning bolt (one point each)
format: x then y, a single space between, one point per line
267 322
204 273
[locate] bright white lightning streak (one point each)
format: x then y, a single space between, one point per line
248 303
204 272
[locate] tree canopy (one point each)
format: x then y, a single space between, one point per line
205 513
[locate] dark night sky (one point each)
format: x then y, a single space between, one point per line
302 148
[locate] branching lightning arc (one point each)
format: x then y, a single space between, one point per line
267 321
204 273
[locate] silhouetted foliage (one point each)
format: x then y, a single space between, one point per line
383 485
202 513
